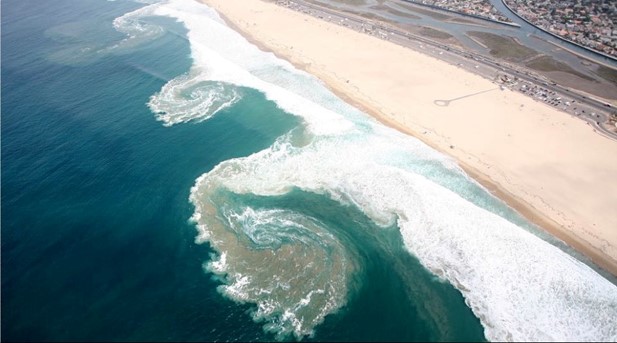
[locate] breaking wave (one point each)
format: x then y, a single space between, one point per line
289 264
286 263
187 98
81 42
137 30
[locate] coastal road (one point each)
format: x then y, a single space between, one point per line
595 112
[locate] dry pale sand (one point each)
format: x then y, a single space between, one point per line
549 166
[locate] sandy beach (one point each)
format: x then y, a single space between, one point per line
552 168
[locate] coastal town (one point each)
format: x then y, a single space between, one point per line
304 170
592 24
526 106
597 114
476 8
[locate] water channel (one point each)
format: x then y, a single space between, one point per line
528 35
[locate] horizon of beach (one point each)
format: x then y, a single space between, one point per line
550 167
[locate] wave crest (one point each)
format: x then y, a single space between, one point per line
519 286
137 30
286 263
187 98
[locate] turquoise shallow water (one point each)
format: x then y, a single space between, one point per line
155 191
95 239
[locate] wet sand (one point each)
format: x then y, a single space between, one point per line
549 166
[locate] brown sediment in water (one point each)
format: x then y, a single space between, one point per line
550 167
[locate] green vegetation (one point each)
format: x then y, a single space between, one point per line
547 63
504 47
353 2
401 13
609 74
432 33
432 14
369 15
344 2
463 21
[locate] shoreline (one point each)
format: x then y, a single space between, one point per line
518 203
525 209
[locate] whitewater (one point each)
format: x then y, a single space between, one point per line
291 267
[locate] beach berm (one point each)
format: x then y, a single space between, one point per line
551 167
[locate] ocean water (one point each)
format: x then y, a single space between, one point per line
163 179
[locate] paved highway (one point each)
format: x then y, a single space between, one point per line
595 112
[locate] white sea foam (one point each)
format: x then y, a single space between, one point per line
224 55
81 43
191 98
137 30
520 287
288 264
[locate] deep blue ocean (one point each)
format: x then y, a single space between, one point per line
125 219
